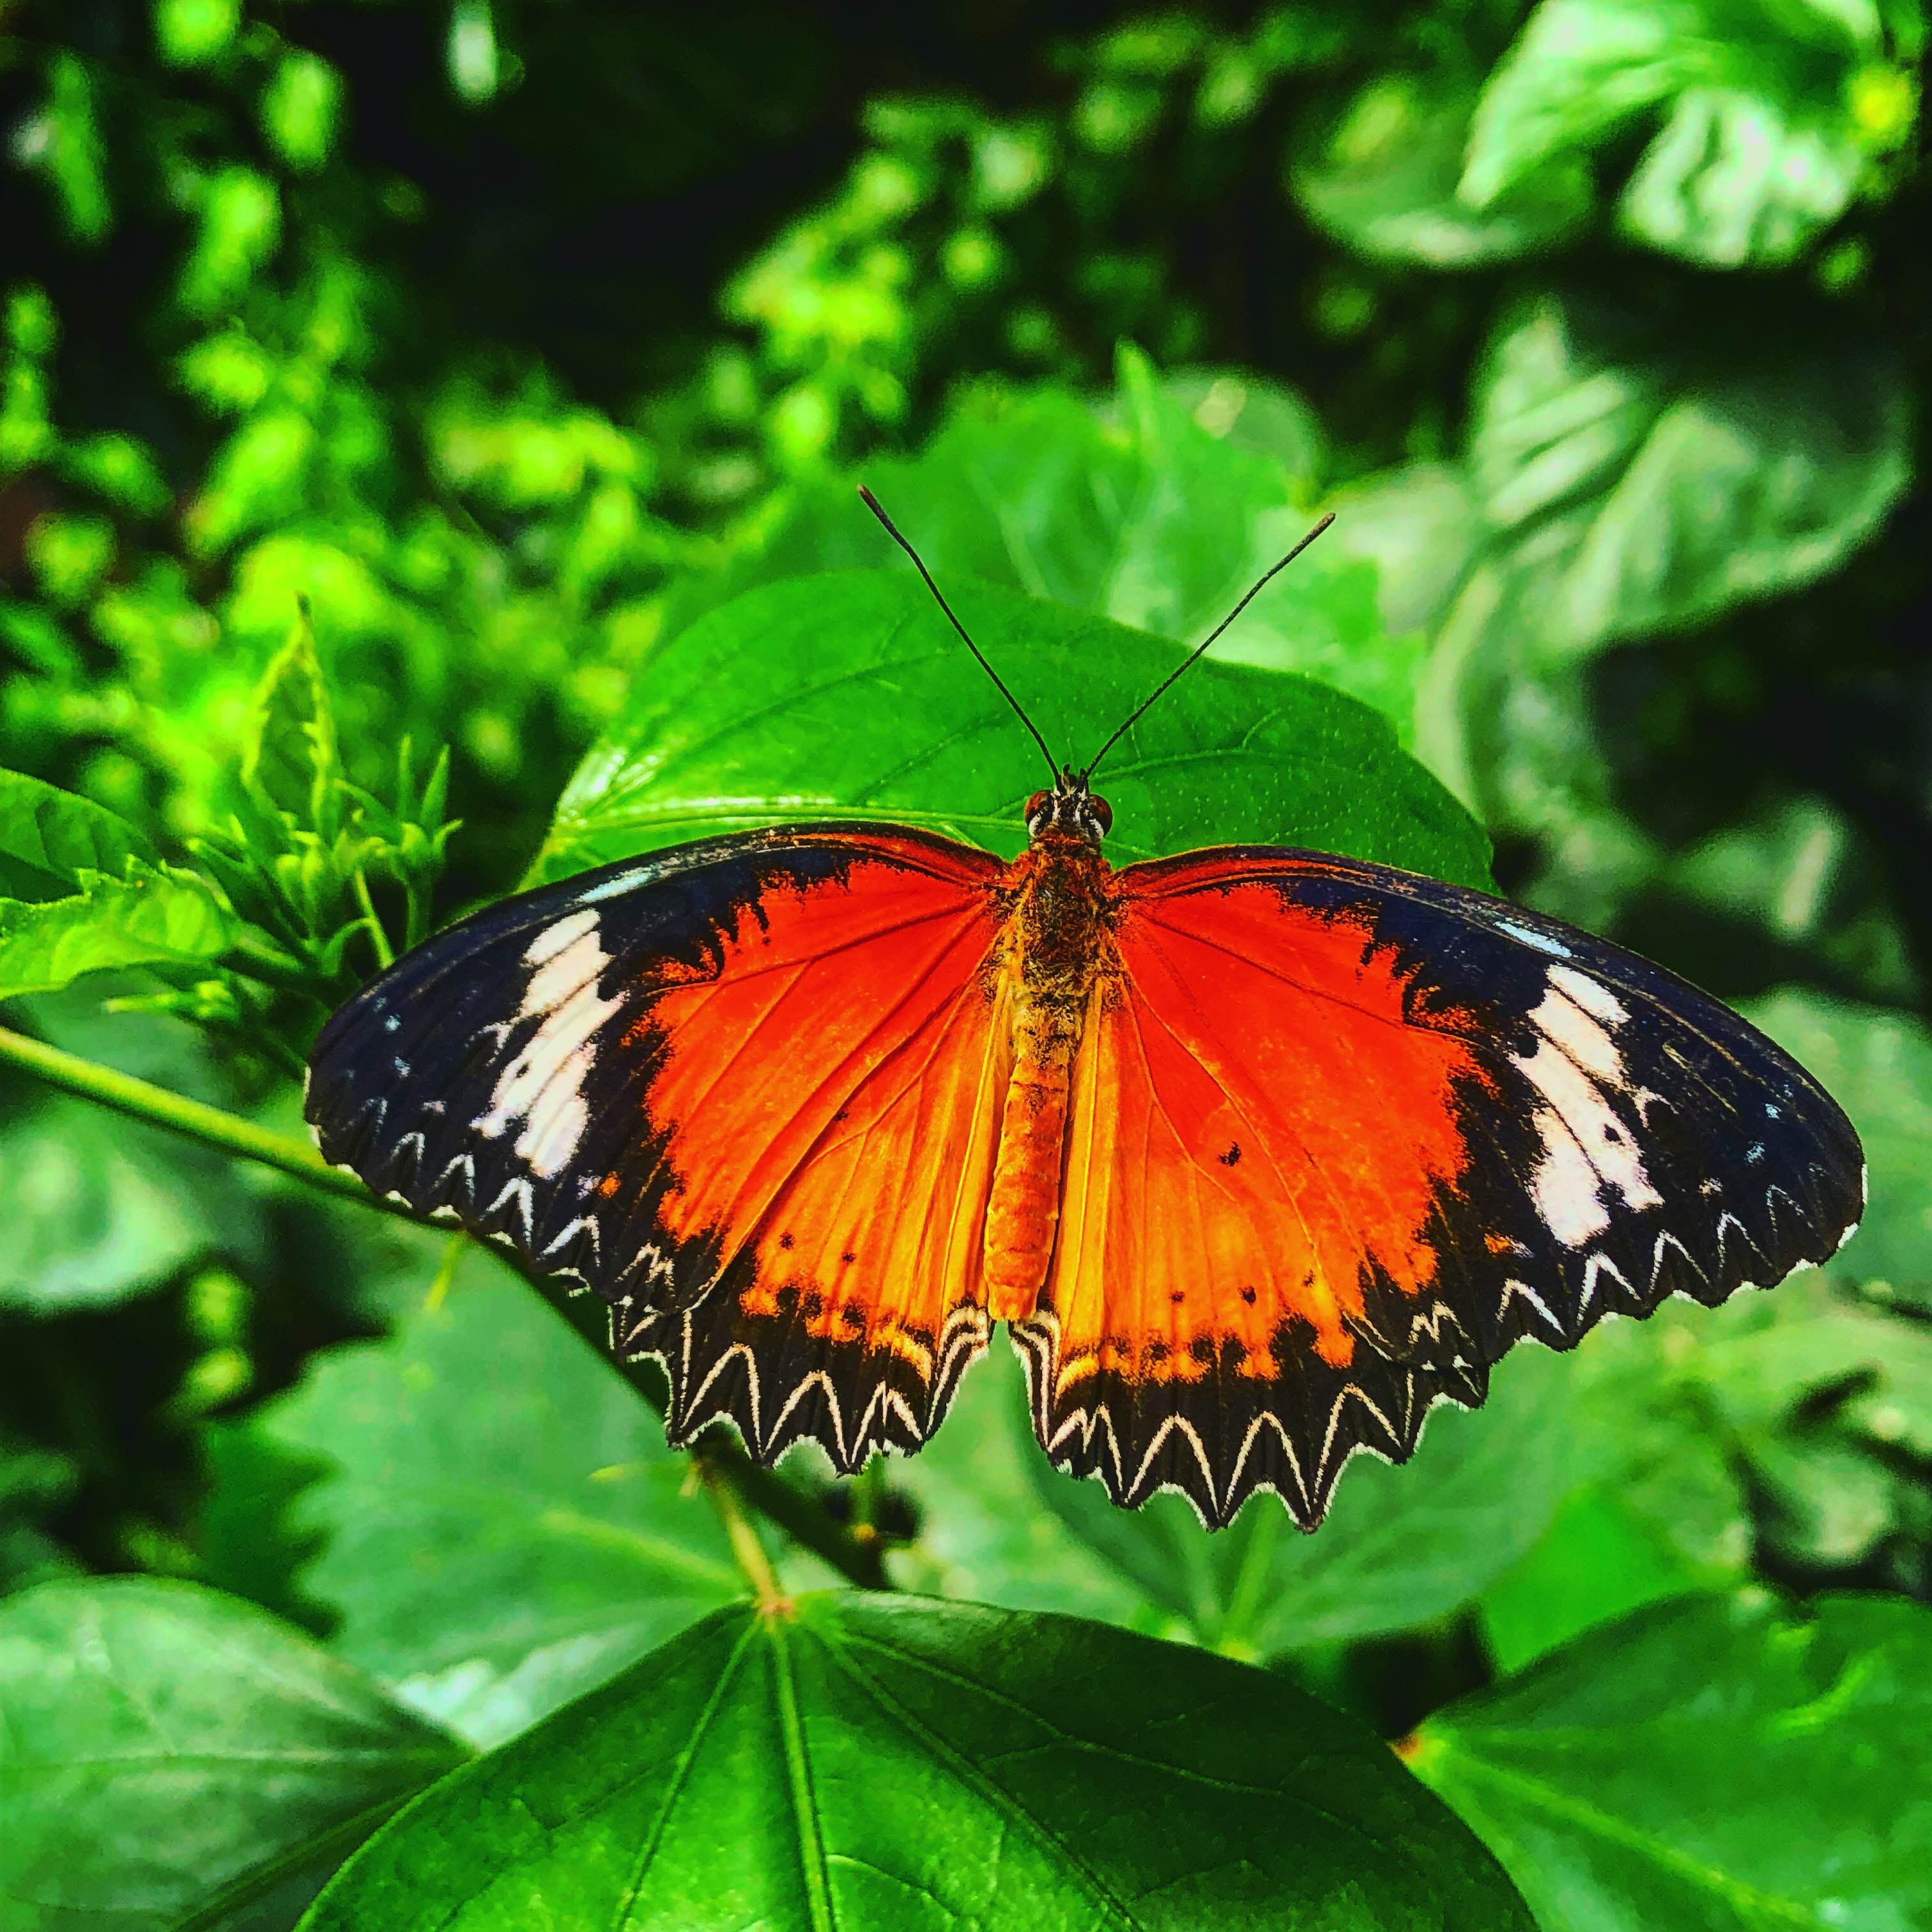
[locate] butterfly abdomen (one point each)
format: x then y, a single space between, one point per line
1023 1212
1061 905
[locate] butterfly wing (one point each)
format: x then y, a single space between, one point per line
1340 1135
747 1090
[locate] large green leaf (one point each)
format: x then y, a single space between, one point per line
168 1754
1400 1547
1710 1766
1765 106
867 1762
62 835
1158 511
503 1524
1639 489
848 696
1384 178
147 917
1878 1064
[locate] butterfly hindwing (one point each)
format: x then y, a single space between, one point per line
1340 1135
746 1090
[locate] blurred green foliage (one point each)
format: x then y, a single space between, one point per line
417 421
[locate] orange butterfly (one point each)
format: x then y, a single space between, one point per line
1258 1152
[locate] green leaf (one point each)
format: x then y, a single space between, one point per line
1878 1065
848 696
170 1753
1383 179
100 1208
1640 490
484 1562
1421 527
63 835
861 1761
1799 877
1761 145
301 109
1139 512
1401 1547
189 33
1599 1562
150 917
1727 1765
239 228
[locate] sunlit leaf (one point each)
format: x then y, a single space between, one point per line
100 1208
149 917
848 696
1141 512
166 1752
1383 179
861 1761
1758 143
63 835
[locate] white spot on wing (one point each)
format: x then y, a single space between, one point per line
1541 941
1587 1151
543 1086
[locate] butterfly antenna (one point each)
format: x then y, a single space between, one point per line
918 563
1267 576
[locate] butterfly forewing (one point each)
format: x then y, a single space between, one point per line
747 1090
1339 1135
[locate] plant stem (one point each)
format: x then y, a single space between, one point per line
385 956
743 1538
802 1518
193 1119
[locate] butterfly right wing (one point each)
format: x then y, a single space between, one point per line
746 1090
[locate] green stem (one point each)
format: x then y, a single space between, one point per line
193 1119
742 1537
793 1511
261 958
385 956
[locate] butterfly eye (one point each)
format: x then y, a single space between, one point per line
1103 813
1037 804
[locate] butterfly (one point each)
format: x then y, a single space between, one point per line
1259 1152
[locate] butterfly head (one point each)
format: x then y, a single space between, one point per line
1069 809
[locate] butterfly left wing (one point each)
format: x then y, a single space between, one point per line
747 1090
1339 1135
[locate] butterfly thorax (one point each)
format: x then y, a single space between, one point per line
1054 947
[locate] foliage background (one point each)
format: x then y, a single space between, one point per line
513 343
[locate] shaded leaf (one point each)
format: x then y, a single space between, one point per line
1640 491
867 1762
170 1751
503 1525
985 1534
1722 1764
848 696
1878 1065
